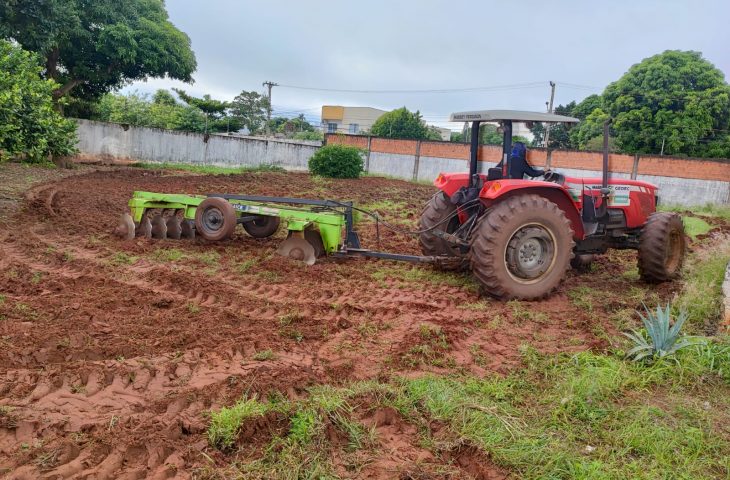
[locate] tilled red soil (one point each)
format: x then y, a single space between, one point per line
113 351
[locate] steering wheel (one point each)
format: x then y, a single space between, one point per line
555 177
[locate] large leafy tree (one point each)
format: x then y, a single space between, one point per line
92 47
401 123
30 128
250 109
676 98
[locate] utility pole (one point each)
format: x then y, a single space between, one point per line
661 154
270 85
550 110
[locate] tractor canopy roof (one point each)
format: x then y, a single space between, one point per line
513 115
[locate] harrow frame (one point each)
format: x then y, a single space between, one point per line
334 220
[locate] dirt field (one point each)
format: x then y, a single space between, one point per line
113 352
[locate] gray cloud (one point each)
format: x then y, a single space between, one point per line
435 44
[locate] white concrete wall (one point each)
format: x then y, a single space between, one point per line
166 146
689 191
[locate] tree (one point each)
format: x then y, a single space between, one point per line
215 111
30 128
400 123
92 47
676 98
584 135
137 109
250 108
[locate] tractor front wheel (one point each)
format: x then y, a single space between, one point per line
215 219
439 214
661 247
522 248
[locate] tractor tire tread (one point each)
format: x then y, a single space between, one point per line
487 245
653 244
436 210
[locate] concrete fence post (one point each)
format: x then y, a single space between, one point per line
417 160
635 170
367 155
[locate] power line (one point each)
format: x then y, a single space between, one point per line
439 90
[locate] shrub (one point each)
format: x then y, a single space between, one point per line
30 127
337 161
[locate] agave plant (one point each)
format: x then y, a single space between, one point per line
663 340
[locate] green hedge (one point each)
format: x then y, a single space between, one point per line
337 161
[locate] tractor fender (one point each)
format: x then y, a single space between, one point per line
498 190
450 183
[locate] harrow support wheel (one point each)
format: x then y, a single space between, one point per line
662 247
522 248
215 219
435 215
264 226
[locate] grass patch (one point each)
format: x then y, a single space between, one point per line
708 210
244 266
701 294
582 297
694 226
225 424
423 275
121 258
264 355
207 169
168 254
583 416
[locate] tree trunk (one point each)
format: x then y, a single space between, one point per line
66 88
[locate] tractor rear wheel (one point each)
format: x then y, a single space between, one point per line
262 227
215 219
440 214
661 247
522 248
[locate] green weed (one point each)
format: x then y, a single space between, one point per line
225 423
264 355
168 254
121 258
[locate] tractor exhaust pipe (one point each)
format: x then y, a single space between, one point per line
474 153
606 132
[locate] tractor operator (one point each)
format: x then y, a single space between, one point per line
518 163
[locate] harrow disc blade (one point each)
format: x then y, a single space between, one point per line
159 227
125 228
298 248
145 228
187 229
174 227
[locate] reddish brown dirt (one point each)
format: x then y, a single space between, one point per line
113 351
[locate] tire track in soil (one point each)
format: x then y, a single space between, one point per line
157 398
162 397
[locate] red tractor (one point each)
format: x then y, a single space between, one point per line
519 237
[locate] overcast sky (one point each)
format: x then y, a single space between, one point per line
410 45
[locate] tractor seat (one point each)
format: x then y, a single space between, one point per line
494 174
